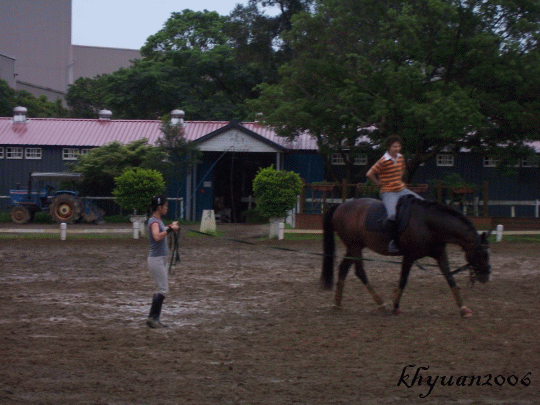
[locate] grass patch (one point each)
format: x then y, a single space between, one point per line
52 236
302 236
517 238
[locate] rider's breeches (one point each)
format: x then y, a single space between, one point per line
158 268
390 199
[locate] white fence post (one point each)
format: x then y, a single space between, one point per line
499 233
136 230
63 231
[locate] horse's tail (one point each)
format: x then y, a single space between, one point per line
327 277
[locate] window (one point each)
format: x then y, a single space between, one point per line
1 153
360 160
445 159
529 161
70 154
85 151
32 153
337 159
490 162
14 153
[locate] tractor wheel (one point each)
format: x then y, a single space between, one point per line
20 214
65 208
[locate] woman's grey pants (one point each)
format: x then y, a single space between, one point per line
390 199
158 268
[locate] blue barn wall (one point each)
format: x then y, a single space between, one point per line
521 185
310 167
18 170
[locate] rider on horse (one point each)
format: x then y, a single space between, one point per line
387 173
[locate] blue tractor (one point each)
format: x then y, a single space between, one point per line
62 205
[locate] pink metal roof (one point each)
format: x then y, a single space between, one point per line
93 132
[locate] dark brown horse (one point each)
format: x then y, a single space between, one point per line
430 227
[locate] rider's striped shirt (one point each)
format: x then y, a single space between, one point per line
390 172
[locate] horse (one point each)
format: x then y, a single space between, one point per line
426 228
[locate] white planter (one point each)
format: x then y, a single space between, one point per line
141 219
277 226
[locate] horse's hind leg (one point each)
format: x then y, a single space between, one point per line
343 271
361 274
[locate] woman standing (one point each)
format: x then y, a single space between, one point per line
157 258
387 173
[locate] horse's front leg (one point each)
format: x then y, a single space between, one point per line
405 271
444 265
361 274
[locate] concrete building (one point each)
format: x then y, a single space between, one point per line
36 53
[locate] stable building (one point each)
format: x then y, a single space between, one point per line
232 154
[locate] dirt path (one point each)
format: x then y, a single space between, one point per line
249 325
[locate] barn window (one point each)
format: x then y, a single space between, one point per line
14 153
529 161
490 162
32 153
1 153
85 151
337 159
70 153
445 159
360 160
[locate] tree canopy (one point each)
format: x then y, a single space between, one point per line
102 165
439 73
207 64
38 107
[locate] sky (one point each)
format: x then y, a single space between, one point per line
128 23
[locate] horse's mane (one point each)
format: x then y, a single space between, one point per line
444 209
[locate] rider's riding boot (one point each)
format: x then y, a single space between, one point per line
391 229
155 312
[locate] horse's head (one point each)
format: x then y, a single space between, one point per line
478 259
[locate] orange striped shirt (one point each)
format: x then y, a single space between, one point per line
390 173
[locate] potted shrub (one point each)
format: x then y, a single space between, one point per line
135 188
277 193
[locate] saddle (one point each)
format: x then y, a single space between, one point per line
376 215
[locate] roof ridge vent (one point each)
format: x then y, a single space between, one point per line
19 114
177 117
105 115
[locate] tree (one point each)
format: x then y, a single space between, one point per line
207 64
135 188
102 165
181 153
438 73
39 107
276 191
7 99
85 96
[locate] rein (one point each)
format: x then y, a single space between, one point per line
175 255
457 271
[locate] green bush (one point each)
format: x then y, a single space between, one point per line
135 188
276 191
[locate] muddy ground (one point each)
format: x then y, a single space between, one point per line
249 325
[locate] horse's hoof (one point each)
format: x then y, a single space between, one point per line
465 312
398 311
382 309
337 307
